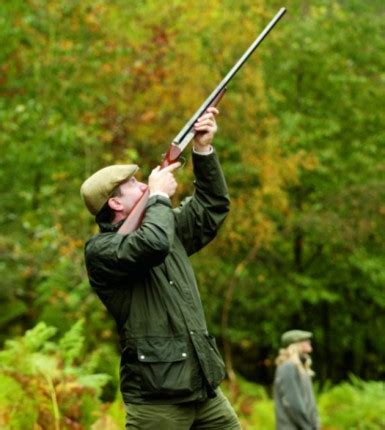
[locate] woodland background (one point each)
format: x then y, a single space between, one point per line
84 84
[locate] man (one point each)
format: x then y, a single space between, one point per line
170 365
295 406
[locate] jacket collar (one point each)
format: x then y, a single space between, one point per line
106 227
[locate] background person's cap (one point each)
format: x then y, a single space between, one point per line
294 336
96 190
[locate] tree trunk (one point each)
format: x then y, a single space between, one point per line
229 294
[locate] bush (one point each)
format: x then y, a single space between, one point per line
356 405
46 384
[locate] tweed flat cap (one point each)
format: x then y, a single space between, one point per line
97 189
294 336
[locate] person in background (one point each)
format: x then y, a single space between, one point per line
170 365
295 405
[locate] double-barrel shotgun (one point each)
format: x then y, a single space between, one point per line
186 134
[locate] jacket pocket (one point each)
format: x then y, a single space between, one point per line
167 367
216 368
214 348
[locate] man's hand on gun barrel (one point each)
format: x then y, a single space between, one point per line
163 180
205 128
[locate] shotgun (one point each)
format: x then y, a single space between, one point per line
186 134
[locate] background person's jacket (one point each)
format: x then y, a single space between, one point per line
295 406
146 281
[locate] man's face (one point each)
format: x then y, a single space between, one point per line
131 191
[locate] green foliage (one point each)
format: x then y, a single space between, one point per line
355 405
17 411
253 405
72 343
47 383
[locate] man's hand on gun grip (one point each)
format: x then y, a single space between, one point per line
162 181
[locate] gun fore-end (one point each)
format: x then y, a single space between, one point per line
171 156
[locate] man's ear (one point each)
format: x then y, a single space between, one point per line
115 204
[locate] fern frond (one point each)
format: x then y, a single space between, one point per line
71 344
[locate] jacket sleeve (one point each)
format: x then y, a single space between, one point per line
289 389
200 216
148 246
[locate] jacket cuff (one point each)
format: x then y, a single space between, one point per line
158 198
207 152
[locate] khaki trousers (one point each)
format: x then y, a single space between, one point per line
216 413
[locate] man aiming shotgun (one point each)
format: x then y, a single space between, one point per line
170 365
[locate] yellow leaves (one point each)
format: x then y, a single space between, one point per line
107 422
92 20
106 68
269 172
58 296
248 225
246 344
66 44
65 388
138 66
106 136
28 272
71 246
309 161
59 176
147 116
301 159
89 118
107 158
106 334
261 278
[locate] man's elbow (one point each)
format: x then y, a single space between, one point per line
157 249
227 206
223 205
160 251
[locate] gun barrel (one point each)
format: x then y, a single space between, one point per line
211 98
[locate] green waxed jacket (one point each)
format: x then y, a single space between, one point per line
146 281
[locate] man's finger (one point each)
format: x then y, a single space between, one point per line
213 109
206 121
172 166
206 116
157 168
205 124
